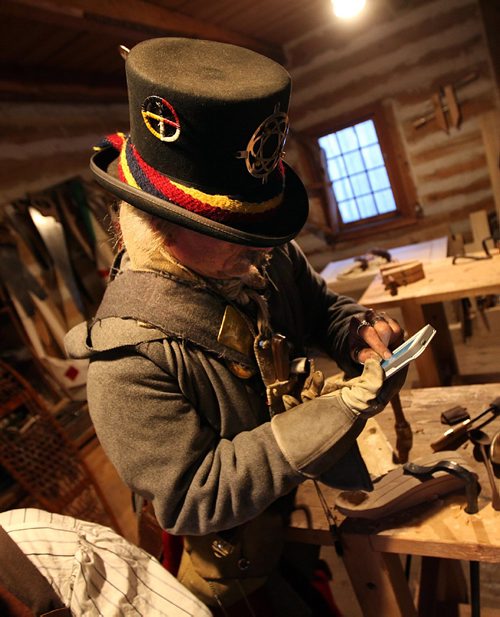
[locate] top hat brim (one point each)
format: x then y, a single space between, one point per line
283 227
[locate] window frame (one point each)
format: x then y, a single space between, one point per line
396 165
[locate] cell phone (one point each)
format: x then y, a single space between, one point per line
408 351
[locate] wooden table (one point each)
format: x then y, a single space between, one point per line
437 531
355 285
422 302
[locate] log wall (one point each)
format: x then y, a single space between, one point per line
44 144
401 62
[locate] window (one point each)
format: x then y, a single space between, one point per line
357 171
365 182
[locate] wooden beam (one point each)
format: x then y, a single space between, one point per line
47 90
150 16
70 20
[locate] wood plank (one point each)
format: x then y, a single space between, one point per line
159 18
438 529
443 281
39 128
443 529
490 130
67 18
117 494
53 90
303 51
378 579
355 285
450 167
434 198
356 88
441 348
444 150
480 230
414 320
442 588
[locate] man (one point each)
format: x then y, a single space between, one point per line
199 384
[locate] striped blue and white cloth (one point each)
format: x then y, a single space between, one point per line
95 571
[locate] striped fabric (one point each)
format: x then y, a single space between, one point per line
95 571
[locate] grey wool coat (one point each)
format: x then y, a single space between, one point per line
180 426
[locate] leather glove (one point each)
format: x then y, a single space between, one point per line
314 435
360 393
355 391
316 385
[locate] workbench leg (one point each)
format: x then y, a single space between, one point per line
377 579
427 367
442 588
442 346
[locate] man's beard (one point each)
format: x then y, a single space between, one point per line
254 278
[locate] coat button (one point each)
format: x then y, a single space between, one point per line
243 564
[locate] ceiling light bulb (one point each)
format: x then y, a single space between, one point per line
347 8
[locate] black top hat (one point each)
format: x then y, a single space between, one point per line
208 122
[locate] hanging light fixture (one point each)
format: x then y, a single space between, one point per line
345 9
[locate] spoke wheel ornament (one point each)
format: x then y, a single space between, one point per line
265 148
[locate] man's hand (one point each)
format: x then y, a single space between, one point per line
373 335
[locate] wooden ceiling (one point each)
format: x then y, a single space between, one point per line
67 50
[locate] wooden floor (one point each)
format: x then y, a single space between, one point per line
115 491
479 354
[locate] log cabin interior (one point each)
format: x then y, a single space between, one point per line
395 132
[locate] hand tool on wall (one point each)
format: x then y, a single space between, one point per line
446 112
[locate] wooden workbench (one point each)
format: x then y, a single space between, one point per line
422 302
355 284
440 529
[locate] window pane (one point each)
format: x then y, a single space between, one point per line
342 190
372 156
385 201
366 133
357 171
379 179
366 206
360 184
329 145
348 211
336 168
354 162
347 139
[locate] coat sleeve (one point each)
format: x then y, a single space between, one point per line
202 455
326 314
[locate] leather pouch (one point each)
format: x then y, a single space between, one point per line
223 568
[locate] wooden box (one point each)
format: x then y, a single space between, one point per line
402 272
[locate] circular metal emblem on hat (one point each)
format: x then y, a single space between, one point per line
160 118
265 148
